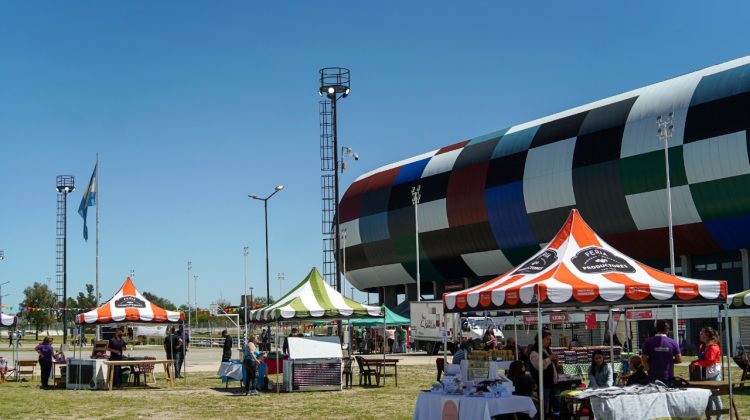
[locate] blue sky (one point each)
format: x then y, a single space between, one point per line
194 105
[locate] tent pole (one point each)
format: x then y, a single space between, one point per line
729 357
444 338
515 333
721 333
540 357
611 342
278 355
185 335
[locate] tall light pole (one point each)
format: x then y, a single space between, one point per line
65 186
335 84
664 133
189 267
415 197
244 291
265 208
280 276
343 250
1 294
195 293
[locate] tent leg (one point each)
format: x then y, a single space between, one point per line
611 342
278 355
515 333
729 355
540 360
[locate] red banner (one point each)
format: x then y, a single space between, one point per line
639 314
529 319
560 318
590 321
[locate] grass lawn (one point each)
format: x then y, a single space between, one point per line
206 397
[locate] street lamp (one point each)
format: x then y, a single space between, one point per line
65 185
664 133
244 291
195 293
343 250
265 208
415 197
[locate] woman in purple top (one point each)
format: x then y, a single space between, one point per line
661 353
46 354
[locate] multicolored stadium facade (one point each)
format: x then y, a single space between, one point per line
489 203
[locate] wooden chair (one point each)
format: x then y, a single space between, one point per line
366 371
27 367
347 372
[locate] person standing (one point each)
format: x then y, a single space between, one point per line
549 370
391 334
226 353
184 346
179 348
170 346
709 358
661 353
46 354
115 346
251 361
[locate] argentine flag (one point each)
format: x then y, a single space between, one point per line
88 200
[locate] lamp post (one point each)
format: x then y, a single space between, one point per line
265 208
195 293
664 133
65 186
189 267
244 291
343 250
1 294
415 197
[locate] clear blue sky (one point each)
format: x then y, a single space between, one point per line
194 105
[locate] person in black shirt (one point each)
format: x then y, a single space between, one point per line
639 376
227 348
116 346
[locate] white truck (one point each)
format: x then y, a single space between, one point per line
427 325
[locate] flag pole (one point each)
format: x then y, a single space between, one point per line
98 203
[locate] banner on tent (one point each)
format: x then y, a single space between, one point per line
648 314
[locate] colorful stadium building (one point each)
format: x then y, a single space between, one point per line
489 203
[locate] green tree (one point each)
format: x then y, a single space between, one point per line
84 301
159 301
39 296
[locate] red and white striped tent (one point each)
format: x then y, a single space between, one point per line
129 305
577 268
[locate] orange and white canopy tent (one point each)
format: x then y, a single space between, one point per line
129 305
577 268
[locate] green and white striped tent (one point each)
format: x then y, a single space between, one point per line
312 299
739 300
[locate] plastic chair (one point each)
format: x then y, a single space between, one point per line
144 369
347 372
366 372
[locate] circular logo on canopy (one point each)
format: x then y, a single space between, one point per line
597 260
129 302
539 264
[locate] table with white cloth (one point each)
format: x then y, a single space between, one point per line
432 405
683 403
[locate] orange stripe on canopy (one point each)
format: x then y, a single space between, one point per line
583 233
563 234
159 313
683 289
633 289
132 314
104 313
128 289
582 291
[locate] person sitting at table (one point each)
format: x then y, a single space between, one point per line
638 375
46 354
115 346
490 342
661 353
463 352
709 358
522 380
226 352
600 375
549 370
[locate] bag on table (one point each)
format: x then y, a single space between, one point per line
697 373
